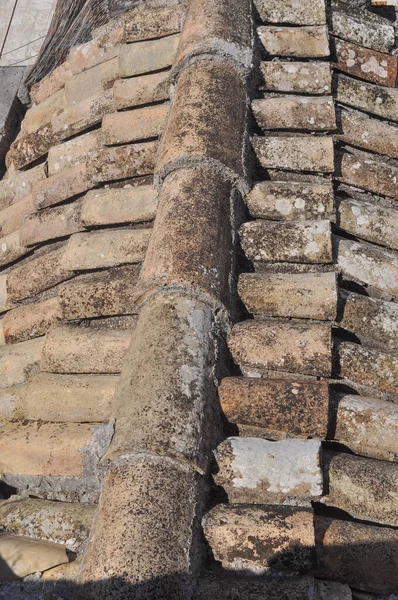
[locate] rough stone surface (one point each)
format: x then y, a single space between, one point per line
150 24
30 321
362 555
122 162
371 134
18 184
295 153
299 77
167 375
119 205
30 147
198 129
299 409
362 27
135 535
60 187
223 27
291 200
369 264
373 321
51 83
41 114
20 361
282 346
21 556
368 172
71 349
92 82
192 218
99 294
134 125
302 242
83 115
100 249
12 216
141 90
144 57
73 152
11 248
373 222
257 539
51 224
303 296
38 274
99 50
58 522
61 398
295 112
366 489
45 449
368 426
298 42
257 471
374 99
370 65
369 367
298 13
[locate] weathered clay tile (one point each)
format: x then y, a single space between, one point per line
70 522
302 242
374 99
298 42
90 83
61 398
140 90
192 124
63 186
107 248
134 125
122 161
257 471
299 409
31 321
99 50
40 273
219 28
69 349
72 153
362 27
307 12
295 112
295 153
53 82
28 148
46 449
369 367
373 321
369 264
100 294
368 172
18 185
11 248
290 295
369 221
20 361
366 489
358 129
151 24
119 205
370 65
362 555
291 200
51 223
299 77
12 216
78 117
261 538
282 346
276 588
368 426
40 115
144 57
23 556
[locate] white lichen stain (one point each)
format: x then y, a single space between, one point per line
372 66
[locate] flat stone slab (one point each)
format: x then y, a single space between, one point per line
298 77
362 27
368 172
363 131
297 42
295 153
140 90
295 112
373 66
307 12
371 98
119 205
257 471
147 56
